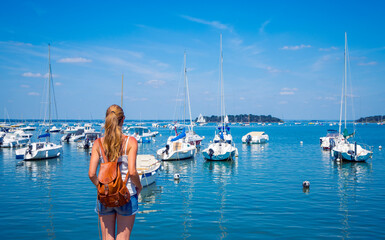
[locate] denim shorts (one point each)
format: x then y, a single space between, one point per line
130 208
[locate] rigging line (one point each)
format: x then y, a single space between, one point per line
54 96
351 94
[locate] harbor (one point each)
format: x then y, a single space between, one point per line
259 193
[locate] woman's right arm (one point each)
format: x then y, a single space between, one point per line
94 164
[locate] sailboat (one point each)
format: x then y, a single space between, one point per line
222 148
201 120
182 145
47 149
343 149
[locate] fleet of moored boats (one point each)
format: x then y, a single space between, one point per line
184 144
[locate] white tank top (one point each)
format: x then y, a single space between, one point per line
124 169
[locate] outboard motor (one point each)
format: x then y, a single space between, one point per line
87 144
332 143
248 139
29 150
67 138
211 152
166 150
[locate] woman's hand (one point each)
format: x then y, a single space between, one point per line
138 190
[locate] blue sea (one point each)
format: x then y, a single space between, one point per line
258 195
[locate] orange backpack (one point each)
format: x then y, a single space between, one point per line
112 190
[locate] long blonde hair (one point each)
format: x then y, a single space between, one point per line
113 132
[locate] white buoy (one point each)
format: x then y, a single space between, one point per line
380 147
338 160
176 176
160 135
301 142
306 184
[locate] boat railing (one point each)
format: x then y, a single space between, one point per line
366 146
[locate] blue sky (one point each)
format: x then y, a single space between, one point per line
283 58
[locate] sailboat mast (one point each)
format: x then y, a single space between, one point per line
121 98
49 87
222 88
346 48
187 90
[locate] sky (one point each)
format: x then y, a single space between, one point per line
280 58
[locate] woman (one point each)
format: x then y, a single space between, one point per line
117 146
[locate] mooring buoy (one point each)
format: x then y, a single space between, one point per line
176 176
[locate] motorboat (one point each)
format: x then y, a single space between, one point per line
73 137
148 168
39 150
54 129
141 134
332 137
89 139
255 138
14 139
177 148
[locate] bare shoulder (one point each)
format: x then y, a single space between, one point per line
132 142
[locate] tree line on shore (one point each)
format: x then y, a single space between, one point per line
244 118
371 119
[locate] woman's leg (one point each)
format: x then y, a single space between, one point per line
125 225
107 224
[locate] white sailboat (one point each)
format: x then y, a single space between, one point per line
343 149
222 148
182 145
47 149
201 120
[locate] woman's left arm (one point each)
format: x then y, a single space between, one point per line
132 164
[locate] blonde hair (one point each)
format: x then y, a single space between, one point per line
113 132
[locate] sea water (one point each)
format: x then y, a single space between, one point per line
258 195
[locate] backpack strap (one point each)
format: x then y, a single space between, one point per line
125 149
102 150
105 158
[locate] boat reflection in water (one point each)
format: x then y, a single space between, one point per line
221 173
42 172
350 176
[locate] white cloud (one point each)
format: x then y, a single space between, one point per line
242 98
53 75
297 47
33 94
74 60
215 24
272 70
58 83
262 28
328 49
24 86
283 102
29 74
288 91
367 63
155 83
